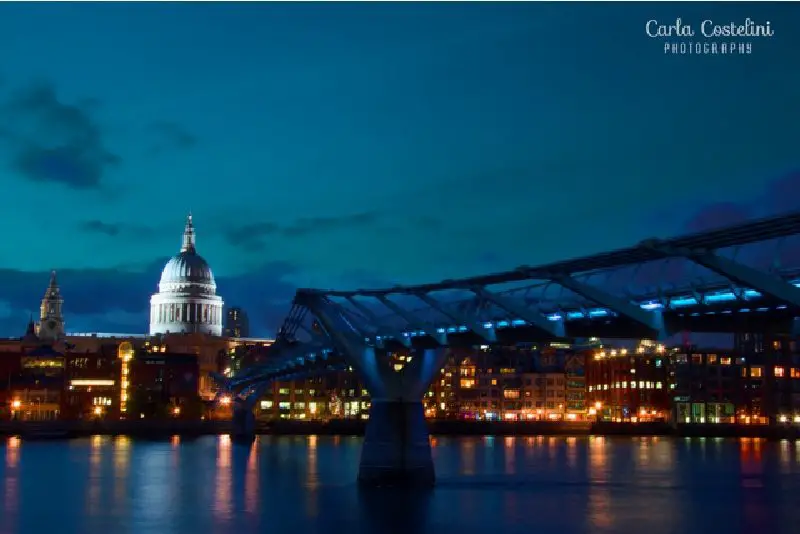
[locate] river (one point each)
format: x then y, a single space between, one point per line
491 484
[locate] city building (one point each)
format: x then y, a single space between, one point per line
757 382
236 323
629 386
187 300
163 384
339 395
92 382
37 392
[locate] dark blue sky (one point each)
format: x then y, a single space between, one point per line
352 145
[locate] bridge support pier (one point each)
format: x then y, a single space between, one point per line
396 449
244 422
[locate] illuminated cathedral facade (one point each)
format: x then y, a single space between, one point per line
187 300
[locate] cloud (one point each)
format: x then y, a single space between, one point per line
52 141
95 226
778 196
170 135
718 214
252 236
111 300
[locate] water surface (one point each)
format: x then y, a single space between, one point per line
307 485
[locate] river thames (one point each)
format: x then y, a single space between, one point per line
307 485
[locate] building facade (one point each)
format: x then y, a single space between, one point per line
236 323
629 386
757 382
187 300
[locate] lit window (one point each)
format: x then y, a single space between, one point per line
795 372
712 358
756 372
494 381
779 372
511 393
725 360
467 383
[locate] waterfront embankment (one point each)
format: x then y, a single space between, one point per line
157 429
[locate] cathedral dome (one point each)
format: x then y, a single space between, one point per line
187 299
184 270
187 270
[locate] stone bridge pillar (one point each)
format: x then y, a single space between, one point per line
244 420
396 448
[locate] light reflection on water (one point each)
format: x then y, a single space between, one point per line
511 484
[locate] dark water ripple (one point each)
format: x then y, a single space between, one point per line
307 485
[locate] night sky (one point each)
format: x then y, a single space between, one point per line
356 145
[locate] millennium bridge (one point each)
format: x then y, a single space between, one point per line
734 279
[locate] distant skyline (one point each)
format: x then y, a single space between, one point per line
355 145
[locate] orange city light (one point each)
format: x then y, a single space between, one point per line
224 400
16 404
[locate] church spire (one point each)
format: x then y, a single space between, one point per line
51 325
53 287
188 236
31 330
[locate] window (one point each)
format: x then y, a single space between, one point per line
697 359
494 381
795 372
725 360
467 383
712 358
779 372
756 372
511 393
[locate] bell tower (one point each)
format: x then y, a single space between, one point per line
51 322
